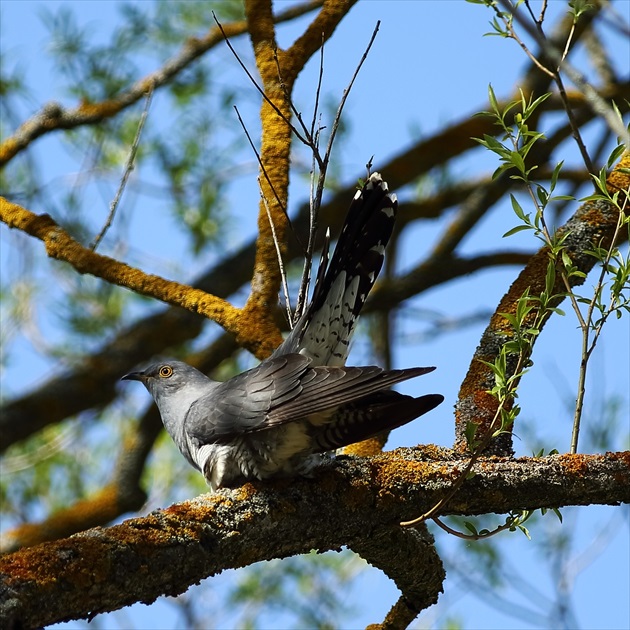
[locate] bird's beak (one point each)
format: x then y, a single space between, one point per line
134 376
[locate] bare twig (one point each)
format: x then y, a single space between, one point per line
264 171
587 348
127 172
308 135
337 119
322 163
458 534
283 275
278 111
313 215
320 79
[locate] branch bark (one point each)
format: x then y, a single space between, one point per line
347 502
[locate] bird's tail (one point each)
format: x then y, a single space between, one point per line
380 411
323 333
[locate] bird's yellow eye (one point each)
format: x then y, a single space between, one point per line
165 371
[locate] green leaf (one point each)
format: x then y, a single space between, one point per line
517 161
518 228
470 432
555 175
471 528
493 99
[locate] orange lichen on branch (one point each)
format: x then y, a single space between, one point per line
8 149
594 223
619 179
367 448
257 330
318 32
61 246
435 465
101 109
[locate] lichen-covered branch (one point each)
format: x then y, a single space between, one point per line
169 550
61 246
410 559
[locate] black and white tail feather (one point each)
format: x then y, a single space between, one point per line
323 333
277 418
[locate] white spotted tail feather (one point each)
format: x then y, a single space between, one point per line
323 333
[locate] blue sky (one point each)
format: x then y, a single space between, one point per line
430 65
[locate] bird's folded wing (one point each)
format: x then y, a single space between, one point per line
281 390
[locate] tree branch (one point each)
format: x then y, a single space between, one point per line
169 550
409 558
53 117
60 245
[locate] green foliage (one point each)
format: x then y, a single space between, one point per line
513 149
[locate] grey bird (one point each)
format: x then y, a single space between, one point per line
278 418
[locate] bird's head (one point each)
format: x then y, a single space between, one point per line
173 384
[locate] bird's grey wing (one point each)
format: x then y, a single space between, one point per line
242 404
283 390
325 389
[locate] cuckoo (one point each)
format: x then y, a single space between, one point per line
281 417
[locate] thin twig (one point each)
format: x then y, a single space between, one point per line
313 214
337 119
255 83
264 171
454 532
323 163
283 275
587 350
298 115
285 286
308 256
598 104
320 79
127 172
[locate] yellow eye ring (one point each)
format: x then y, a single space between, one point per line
165 371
